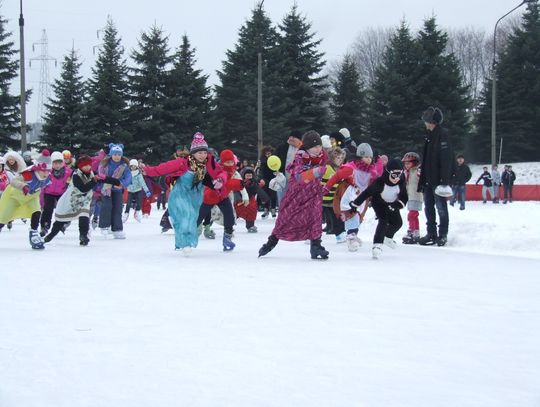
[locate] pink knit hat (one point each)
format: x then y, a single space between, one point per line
198 143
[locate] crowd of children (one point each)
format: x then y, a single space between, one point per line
318 181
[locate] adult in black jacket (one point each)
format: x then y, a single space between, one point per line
266 174
507 178
435 175
388 195
462 175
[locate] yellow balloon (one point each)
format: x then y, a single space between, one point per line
273 162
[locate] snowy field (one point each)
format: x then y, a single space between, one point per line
134 323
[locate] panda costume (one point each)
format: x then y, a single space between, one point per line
388 195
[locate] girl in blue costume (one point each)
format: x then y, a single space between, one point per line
193 173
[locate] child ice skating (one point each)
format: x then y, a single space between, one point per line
20 199
411 161
185 199
135 191
249 211
114 166
388 195
300 214
60 176
75 202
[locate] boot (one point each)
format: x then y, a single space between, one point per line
10 225
119 234
317 251
353 242
228 244
83 239
137 216
428 240
391 243
265 214
125 217
252 229
268 246
208 232
273 212
441 241
410 238
36 240
376 251
95 222
44 229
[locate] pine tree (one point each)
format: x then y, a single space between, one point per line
148 87
394 108
235 115
188 97
64 125
306 90
107 94
348 101
9 104
518 96
440 83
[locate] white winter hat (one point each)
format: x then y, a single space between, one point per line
57 156
133 163
326 143
346 133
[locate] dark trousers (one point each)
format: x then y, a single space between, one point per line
507 192
84 227
334 225
226 208
162 199
272 201
111 212
432 202
49 203
134 200
388 225
459 195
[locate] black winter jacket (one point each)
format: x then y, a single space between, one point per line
486 177
462 174
382 188
437 159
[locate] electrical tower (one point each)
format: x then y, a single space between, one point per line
44 85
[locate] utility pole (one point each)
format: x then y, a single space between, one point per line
23 84
44 88
259 105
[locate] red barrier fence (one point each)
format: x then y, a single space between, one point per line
519 193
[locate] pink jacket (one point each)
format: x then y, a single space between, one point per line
58 185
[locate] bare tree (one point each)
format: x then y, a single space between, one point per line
469 47
367 50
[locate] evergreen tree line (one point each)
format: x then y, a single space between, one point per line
159 101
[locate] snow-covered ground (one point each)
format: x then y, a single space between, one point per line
134 323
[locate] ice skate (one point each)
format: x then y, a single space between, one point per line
228 244
317 251
391 243
36 241
119 234
376 251
137 216
268 246
125 217
208 232
252 229
353 242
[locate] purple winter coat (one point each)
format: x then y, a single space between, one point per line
300 210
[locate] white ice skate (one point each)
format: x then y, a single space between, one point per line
391 243
376 252
137 216
119 234
125 217
353 242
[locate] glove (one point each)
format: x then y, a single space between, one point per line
218 183
26 190
148 194
396 205
444 191
101 177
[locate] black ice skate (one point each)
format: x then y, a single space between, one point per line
317 251
268 246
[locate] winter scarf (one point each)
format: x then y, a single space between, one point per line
198 168
309 161
118 172
58 174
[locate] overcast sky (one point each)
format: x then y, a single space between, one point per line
212 26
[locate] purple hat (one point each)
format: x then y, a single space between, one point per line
198 143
